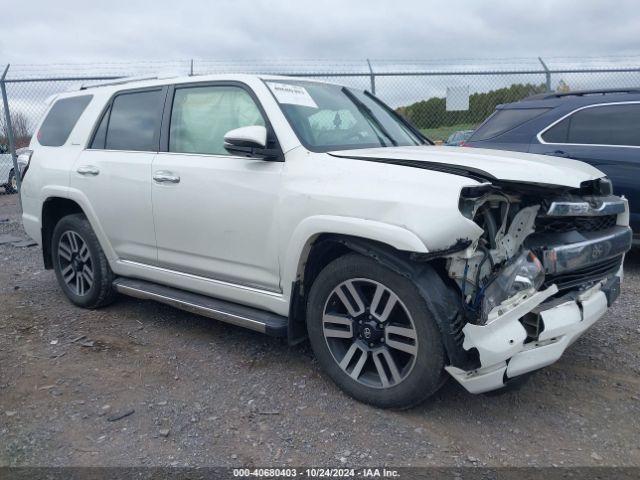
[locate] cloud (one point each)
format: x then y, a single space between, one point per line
133 37
39 31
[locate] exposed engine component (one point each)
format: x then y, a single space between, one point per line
532 240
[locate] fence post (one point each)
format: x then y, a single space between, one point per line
191 68
547 74
372 77
7 117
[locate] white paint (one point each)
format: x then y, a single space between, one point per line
563 324
252 135
239 229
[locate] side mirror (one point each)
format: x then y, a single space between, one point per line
250 142
255 136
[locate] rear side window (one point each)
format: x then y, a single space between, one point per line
504 120
132 123
601 125
61 119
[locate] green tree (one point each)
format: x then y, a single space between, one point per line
432 113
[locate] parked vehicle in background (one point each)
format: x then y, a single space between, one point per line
7 174
458 138
299 208
599 127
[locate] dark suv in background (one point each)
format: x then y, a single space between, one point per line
600 127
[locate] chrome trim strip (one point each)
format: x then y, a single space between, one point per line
595 105
574 256
193 308
609 206
272 293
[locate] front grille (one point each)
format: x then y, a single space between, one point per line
577 224
586 275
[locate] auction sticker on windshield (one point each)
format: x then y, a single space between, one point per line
292 94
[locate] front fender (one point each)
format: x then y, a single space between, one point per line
311 227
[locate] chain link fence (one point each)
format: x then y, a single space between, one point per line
438 97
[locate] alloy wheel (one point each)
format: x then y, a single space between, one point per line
76 265
370 333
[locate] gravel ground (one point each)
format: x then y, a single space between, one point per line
198 392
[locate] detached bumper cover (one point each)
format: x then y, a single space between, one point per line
500 344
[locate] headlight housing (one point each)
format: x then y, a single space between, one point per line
522 277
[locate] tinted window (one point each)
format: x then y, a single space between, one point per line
134 122
504 120
558 133
605 125
61 119
201 116
101 133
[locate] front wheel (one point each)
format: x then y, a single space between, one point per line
372 333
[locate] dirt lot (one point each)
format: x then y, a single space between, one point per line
205 393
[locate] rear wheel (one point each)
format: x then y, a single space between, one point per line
80 265
372 333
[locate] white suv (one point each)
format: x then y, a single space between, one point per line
299 208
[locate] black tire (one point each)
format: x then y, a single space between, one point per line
11 186
101 291
425 376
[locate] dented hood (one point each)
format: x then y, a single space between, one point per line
483 163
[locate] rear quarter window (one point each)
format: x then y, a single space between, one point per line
614 125
504 120
61 119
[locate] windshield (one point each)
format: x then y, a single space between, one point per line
329 117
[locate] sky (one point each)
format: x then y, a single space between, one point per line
45 32
44 38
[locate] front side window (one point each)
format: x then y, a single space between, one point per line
600 125
201 116
134 121
328 117
61 119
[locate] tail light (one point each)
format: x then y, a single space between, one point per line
24 159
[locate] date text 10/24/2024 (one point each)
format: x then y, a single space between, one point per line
316 473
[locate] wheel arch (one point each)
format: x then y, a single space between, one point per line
309 230
429 276
53 210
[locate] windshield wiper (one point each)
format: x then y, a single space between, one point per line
400 118
368 114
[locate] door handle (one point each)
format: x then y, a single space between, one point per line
88 170
558 153
165 176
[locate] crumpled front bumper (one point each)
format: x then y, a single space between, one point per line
501 344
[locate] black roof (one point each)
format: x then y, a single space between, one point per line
582 93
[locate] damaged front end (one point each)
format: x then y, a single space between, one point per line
547 266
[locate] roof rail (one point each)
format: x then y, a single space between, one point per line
119 81
581 93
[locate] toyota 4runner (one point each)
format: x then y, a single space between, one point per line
305 209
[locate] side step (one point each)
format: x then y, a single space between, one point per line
251 318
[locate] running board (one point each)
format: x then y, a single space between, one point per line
251 318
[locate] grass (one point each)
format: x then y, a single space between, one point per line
441 134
